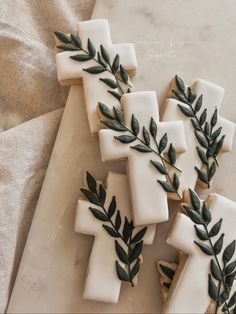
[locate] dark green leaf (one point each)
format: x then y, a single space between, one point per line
76 40
229 281
121 273
167 271
194 216
212 289
163 143
125 138
215 270
104 54
230 268
146 136
142 149
117 95
201 139
202 156
67 47
153 128
139 235
111 231
118 220
109 82
98 214
114 126
179 96
105 111
216 133
159 167
202 176
198 104
121 253
112 207
95 70
214 118
135 269
195 125
195 201
179 83
229 252
205 248
219 145
119 115
137 250
202 235
101 60
176 182
63 37
102 194
212 148
206 214
91 49
81 57
166 186
186 111
232 300
172 154
115 64
203 117
207 129
90 196
135 125
124 74
91 182
191 95
216 228
223 296
219 244
211 171
126 230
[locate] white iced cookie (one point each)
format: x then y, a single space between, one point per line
189 291
102 283
149 200
212 99
70 72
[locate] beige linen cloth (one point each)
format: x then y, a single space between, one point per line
28 89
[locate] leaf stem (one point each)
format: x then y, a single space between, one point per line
168 176
154 151
116 77
221 271
127 243
199 124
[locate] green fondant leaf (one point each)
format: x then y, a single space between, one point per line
172 154
98 214
121 253
91 49
112 207
146 136
125 138
105 111
63 37
179 83
121 273
91 182
195 201
90 196
139 235
135 125
136 251
141 148
111 231
109 82
216 228
81 57
186 111
95 70
159 167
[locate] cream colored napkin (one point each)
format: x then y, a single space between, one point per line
24 154
28 89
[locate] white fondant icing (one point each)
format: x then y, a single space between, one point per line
102 283
69 70
212 98
149 200
190 293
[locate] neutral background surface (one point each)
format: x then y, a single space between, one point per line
171 37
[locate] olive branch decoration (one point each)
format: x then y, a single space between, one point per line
206 134
221 278
116 122
120 83
118 228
